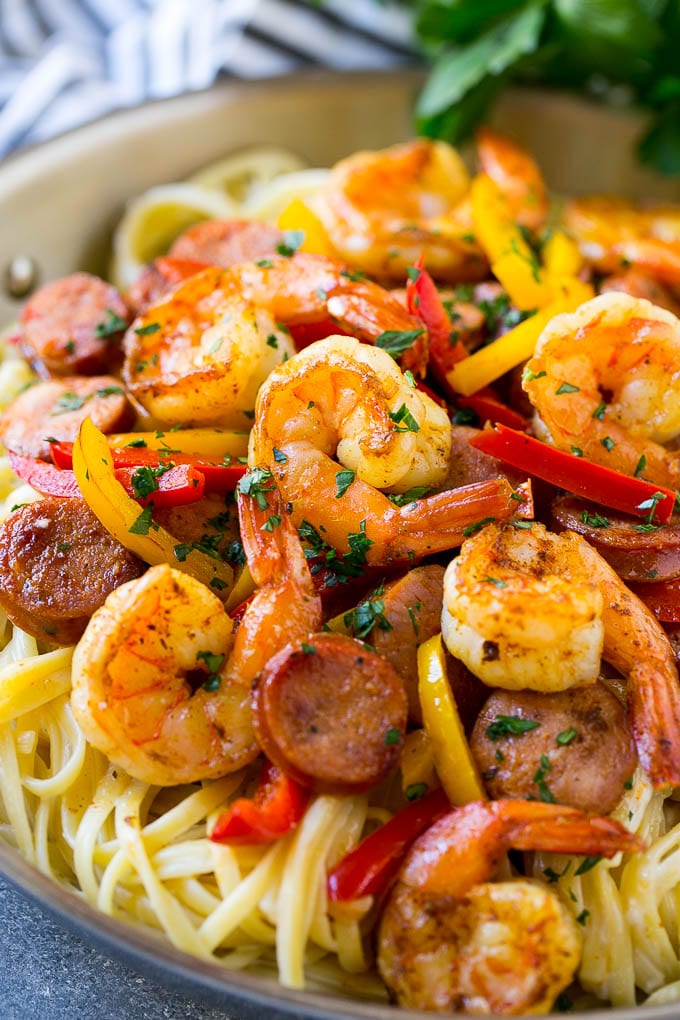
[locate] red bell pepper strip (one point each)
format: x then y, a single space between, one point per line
486 404
575 474
275 809
369 868
44 477
177 486
662 597
218 477
423 301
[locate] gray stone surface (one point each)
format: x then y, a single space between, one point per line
49 973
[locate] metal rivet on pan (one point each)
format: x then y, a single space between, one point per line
21 276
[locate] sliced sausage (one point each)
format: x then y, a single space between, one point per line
407 612
57 566
331 713
635 555
468 465
226 243
56 410
581 752
157 281
74 326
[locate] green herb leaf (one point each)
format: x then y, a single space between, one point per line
510 726
404 420
111 325
343 480
395 342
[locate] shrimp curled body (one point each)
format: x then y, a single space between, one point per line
339 397
450 940
162 685
532 609
384 209
606 379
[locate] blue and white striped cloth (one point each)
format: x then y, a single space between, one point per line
64 62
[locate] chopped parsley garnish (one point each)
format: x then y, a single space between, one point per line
136 443
472 529
152 327
68 402
272 522
264 263
144 480
273 341
367 615
256 484
599 411
544 791
308 649
292 239
410 496
404 420
608 443
529 376
510 726
393 736
279 456
566 736
651 504
111 325
465 416
143 523
567 387
395 342
343 480
595 520
583 917
495 581
587 864
414 791
640 467
340 567
577 451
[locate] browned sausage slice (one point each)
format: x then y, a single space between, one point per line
74 326
226 243
56 410
635 555
405 612
575 746
331 713
57 565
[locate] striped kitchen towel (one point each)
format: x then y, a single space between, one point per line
64 62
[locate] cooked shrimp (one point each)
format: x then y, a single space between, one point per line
614 232
606 379
342 398
517 175
531 609
383 209
161 685
641 285
450 940
200 355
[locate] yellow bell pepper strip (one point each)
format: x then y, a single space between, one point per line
513 262
417 765
490 362
212 443
452 756
298 216
244 586
561 255
122 517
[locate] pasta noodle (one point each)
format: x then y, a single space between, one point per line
140 852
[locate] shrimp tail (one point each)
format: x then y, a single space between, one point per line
441 521
465 847
654 705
